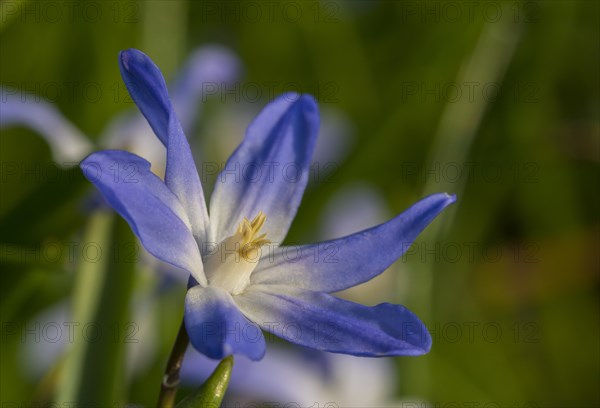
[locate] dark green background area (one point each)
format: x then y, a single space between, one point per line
515 321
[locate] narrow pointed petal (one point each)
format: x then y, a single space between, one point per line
151 209
345 262
268 172
148 90
147 87
68 144
216 326
323 322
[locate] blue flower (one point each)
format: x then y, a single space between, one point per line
242 279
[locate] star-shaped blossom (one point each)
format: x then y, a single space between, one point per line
242 279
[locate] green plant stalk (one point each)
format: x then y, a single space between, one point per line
170 382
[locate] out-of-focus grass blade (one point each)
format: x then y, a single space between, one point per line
94 371
457 130
211 393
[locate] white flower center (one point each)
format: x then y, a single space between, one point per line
231 264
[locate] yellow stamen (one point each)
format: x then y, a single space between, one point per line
250 240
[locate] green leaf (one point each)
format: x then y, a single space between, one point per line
211 393
94 370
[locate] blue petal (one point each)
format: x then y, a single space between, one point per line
217 328
339 264
147 87
149 91
150 208
323 322
67 142
269 170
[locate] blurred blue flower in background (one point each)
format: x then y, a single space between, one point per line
233 287
301 377
69 145
41 358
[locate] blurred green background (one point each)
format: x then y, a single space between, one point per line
494 101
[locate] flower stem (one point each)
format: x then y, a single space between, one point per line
168 388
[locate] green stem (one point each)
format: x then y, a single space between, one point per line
168 388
